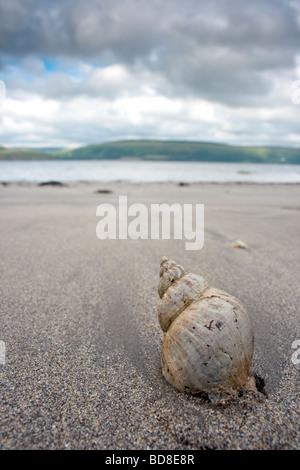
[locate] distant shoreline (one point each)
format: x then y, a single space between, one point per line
74 184
183 151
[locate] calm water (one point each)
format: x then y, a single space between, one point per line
142 171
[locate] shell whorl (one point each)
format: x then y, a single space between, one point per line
177 290
208 337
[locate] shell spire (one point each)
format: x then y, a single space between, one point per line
177 289
208 339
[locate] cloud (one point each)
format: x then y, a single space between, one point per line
138 61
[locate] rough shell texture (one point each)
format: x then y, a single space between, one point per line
208 338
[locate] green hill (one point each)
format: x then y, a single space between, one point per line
161 150
23 154
184 151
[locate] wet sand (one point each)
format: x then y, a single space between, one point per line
78 318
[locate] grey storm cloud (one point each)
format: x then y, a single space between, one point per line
224 51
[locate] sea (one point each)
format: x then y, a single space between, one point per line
138 171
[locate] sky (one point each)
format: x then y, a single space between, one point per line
79 72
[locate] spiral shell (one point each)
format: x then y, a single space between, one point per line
208 338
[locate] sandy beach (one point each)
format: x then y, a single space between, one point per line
79 319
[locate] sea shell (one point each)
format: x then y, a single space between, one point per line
239 244
208 338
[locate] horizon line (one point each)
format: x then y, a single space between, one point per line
119 141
